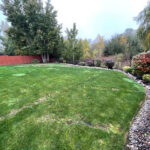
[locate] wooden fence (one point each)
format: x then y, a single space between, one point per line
14 60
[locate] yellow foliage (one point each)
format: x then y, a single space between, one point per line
123 40
125 68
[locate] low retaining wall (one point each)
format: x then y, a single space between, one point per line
14 60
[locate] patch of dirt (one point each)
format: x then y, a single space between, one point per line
71 121
46 118
16 111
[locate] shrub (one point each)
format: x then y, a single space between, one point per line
90 63
76 62
35 61
128 69
141 63
109 64
64 61
98 63
82 63
146 78
61 60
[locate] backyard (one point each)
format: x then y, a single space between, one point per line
56 106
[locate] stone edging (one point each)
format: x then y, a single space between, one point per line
139 132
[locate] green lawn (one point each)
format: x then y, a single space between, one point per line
57 107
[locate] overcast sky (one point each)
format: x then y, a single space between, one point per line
104 17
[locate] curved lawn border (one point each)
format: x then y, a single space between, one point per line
139 133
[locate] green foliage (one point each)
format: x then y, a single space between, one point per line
109 64
86 49
9 46
113 46
98 46
125 68
146 78
61 59
127 44
82 63
133 47
98 63
34 28
128 69
73 47
64 61
119 59
144 29
35 61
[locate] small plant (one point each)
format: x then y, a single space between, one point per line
128 69
35 61
82 63
146 78
98 63
61 60
90 63
64 61
109 64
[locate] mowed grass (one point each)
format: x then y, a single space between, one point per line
58 107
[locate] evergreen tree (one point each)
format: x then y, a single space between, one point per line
73 47
34 28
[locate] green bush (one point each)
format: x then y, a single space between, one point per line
35 61
64 61
98 63
146 78
82 63
128 69
61 60
109 64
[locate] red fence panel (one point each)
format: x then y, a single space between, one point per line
15 60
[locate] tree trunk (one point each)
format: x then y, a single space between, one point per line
47 59
43 57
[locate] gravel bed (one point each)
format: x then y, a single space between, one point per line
139 133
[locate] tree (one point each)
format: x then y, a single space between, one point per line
34 28
86 49
73 47
98 46
144 29
8 46
133 47
114 46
